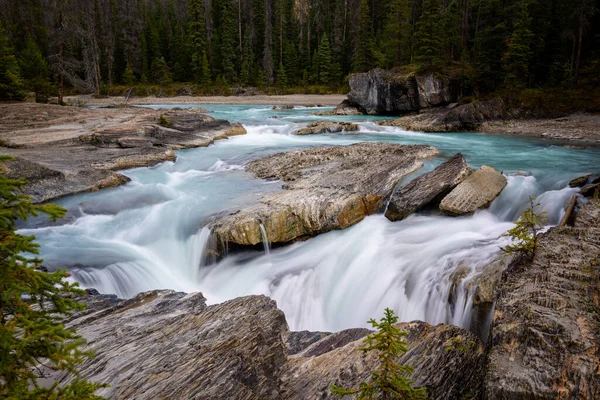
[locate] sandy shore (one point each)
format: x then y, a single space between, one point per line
295 99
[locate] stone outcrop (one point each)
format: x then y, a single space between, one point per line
385 92
284 107
315 128
65 150
448 362
164 344
475 192
428 188
325 188
454 118
545 334
344 108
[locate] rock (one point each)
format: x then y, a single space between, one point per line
385 92
315 128
596 179
236 129
427 188
466 117
590 190
325 188
447 360
475 192
232 350
97 142
344 108
580 181
186 91
283 107
299 341
544 336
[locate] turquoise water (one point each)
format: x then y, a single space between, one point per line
151 232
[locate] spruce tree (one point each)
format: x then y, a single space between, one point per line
197 42
129 76
228 41
363 58
390 380
518 55
429 34
11 85
396 39
32 305
161 73
324 61
282 79
35 71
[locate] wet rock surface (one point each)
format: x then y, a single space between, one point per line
475 192
315 128
385 92
66 150
454 118
344 108
325 188
427 188
546 326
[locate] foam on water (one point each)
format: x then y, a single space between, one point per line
152 234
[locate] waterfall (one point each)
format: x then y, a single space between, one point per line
265 239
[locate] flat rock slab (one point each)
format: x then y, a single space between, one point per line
545 331
325 188
427 188
475 192
316 128
68 150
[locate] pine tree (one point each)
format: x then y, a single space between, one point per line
390 380
32 305
363 58
161 73
324 61
35 71
525 233
290 61
396 39
518 56
129 76
11 85
282 79
228 41
429 34
197 41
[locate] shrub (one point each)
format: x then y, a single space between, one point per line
525 233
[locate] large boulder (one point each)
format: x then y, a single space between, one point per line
545 331
475 192
315 128
427 188
164 344
386 92
448 361
454 118
344 108
325 188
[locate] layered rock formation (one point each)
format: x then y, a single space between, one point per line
325 188
454 118
385 92
427 188
344 108
546 325
475 192
64 150
164 344
315 128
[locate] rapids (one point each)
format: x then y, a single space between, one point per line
151 233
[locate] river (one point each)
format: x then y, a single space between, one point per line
151 234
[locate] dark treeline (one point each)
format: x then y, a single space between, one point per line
92 45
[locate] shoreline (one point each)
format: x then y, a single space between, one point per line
295 99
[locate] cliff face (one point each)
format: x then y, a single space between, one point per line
385 92
545 333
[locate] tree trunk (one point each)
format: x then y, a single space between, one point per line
60 72
580 39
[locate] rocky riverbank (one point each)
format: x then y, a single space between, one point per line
67 150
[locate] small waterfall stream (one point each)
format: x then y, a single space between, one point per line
152 233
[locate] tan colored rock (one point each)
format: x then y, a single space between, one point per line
475 192
315 128
325 188
236 129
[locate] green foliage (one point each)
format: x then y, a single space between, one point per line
518 56
390 380
32 304
228 41
324 61
129 76
281 76
35 71
429 34
161 73
526 230
163 121
363 58
11 85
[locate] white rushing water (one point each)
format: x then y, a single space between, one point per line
151 233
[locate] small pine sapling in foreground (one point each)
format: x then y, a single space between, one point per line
391 380
526 231
32 305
